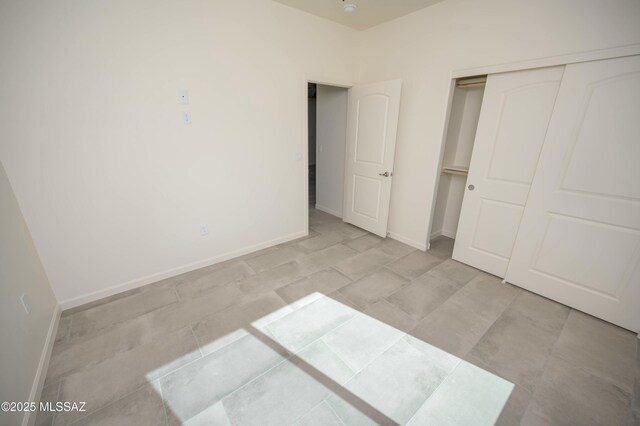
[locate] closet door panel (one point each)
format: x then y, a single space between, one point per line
579 240
497 227
515 113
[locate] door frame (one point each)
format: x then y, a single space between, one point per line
305 135
571 58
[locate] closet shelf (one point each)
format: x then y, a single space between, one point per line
455 170
465 83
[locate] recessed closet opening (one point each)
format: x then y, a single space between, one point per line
463 122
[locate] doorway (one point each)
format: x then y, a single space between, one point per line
311 138
327 130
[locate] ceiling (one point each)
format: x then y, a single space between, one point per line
367 14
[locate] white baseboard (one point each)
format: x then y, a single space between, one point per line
408 241
328 210
444 233
448 234
129 285
38 382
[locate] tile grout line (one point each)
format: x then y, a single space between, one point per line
333 267
193 333
175 291
403 336
373 360
253 271
68 336
53 418
110 403
546 361
296 421
164 404
438 307
585 369
124 322
334 412
481 364
221 400
197 359
385 350
435 390
285 359
492 322
355 372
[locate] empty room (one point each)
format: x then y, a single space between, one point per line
320 212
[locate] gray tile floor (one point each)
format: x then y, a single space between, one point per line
341 327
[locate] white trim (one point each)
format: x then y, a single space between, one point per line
550 61
305 149
443 142
328 210
119 288
43 365
408 241
443 233
330 83
448 234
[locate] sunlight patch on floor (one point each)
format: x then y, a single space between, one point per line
345 365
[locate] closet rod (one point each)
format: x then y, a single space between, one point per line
459 171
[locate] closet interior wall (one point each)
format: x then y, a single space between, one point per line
463 121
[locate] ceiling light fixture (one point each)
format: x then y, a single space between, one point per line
348 7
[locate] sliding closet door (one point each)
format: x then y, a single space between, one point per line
579 240
515 113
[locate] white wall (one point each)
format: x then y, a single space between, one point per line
331 130
23 337
454 206
424 48
463 122
440 210
112 185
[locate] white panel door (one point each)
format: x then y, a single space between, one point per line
579 240
515 114
372 121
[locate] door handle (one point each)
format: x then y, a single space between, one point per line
385 174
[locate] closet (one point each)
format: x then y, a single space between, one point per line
551 201
463 120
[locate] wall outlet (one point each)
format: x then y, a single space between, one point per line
186 117
25 303
298 156
204 230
